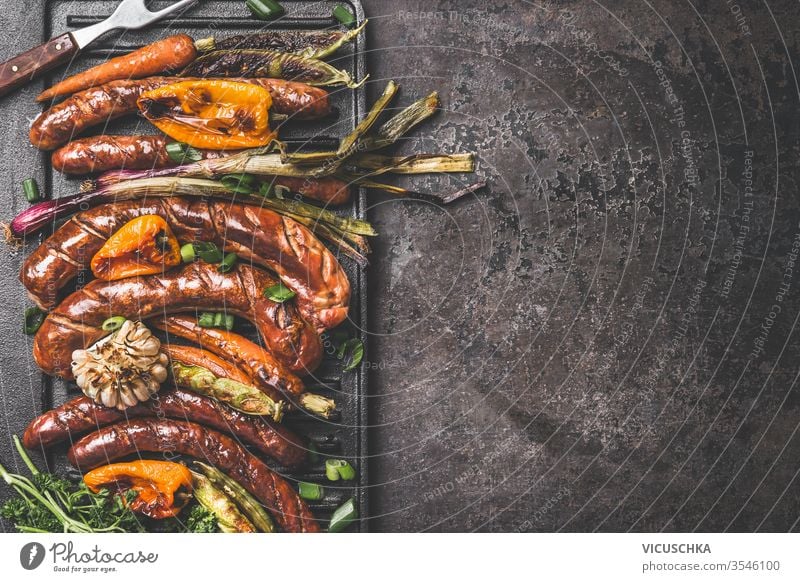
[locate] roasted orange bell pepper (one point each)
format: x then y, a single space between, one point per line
155 482
211 114
143 246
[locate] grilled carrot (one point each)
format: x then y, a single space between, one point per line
168 54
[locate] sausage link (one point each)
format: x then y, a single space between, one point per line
171 436
255 234
106 152
76 323
81 415
68 119
260 364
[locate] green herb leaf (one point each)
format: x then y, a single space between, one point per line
240 183
279 293
181 153
352 352
201 520
228 262
34 318
343 15
207 251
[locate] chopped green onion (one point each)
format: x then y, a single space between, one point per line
31 189
228 262
34 317
208 252
113 323
310 491
265 9
343 516
336 469
352 352
343 15
187 253
218 320
180 153
279 293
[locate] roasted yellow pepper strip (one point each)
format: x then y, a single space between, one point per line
211 114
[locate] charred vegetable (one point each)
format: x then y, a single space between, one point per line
242 397
315 44
214 115
47 503
143 246
123 368
229 517
249 63
249 505
165 55
161 487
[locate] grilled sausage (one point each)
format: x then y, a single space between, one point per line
261 366
81 415
187 438
106 152
141 152
76 323
62 122
255 234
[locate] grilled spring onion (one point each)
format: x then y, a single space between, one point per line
254 511
229 517
244 398
315 44
249 63
346 514
326 224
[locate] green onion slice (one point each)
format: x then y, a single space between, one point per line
113 323
310 491
336 469
352 352
180 153
228 262
265 9
34 317
279 293
343 15
187 253
343 516
31 189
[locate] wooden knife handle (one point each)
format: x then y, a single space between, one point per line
23 68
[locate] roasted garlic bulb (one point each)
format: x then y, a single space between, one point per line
123 368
